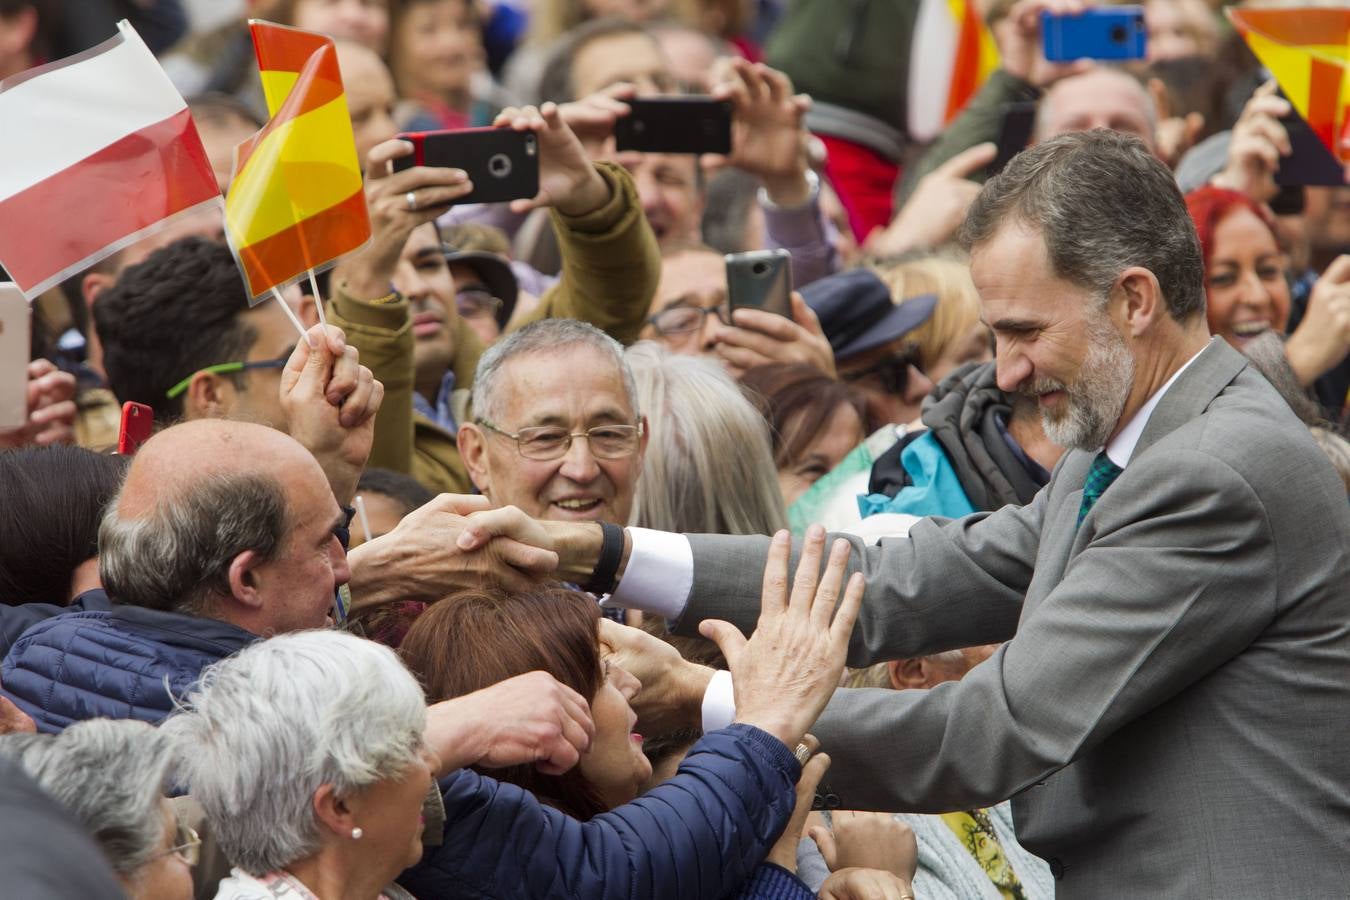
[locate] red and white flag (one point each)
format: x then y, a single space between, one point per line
99 151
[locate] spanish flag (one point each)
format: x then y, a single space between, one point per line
296 202
1306 50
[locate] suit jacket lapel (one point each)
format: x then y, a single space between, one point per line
1213 370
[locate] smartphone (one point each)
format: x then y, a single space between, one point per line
675 125
15 326
502 164
1113 32
1014 133
760 279
138 420
1309 162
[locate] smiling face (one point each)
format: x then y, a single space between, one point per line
1246 291
832 443
1053 344
576 388
667 186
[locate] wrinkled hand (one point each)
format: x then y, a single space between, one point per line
672 686
14 720
330 401
868 840
784 675
568 181
761 337
51 409
592 118
1018 36
369 271
531 718
865 884
421 559
768 134
784 851
937 208
1259 140
1322 339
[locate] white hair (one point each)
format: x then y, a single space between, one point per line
545 336
267 727
709 462
110 774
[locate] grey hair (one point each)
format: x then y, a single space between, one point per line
1102 203
709 463
267 727
110 774
178 556
1150 106
546 336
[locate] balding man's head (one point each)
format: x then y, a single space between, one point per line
370 96
1102 97
228 520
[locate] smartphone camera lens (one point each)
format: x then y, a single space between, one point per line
1119 35
500 165
760 268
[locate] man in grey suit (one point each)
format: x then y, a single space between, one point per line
1168 713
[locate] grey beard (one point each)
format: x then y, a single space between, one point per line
1097 398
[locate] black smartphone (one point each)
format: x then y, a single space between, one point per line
1309 162
1014 133
760 279
675 125
502 164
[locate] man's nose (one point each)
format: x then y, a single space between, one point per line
917 385
1012 369
579 463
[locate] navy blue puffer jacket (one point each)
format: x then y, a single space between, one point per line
698 835
124 663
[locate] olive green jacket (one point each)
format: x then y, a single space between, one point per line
610 270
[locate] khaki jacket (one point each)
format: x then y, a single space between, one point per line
610 270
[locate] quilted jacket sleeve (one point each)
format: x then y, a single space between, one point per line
698 835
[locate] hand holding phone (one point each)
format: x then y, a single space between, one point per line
502 164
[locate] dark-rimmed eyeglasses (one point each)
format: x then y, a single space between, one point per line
229 367
891 372
547 442
678 321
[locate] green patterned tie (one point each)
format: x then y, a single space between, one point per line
1099 478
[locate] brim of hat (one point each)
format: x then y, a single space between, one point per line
901 319
496 274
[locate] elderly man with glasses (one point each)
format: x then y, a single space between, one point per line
557 432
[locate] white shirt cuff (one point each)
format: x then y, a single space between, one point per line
719 703
659 575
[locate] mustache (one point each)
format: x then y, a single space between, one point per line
1041 386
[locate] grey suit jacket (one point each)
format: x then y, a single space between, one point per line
1170 711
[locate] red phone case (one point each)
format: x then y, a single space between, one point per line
138 420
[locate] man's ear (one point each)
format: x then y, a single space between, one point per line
308 312
907 673
245 588
209 396
473 450
93 284
1144 302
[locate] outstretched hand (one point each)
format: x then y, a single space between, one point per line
762 337
937 208
531 718
51 409
672 686
568 181
785 673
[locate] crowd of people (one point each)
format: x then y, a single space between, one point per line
1010 559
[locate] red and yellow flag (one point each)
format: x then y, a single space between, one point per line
953 53
296 202
1307 50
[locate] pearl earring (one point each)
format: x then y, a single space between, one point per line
356 834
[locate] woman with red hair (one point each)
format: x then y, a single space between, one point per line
1247 288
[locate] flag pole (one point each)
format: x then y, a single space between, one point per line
318 300
360 504
290 314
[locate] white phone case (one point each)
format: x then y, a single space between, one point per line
15 319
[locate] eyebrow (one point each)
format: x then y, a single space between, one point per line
427 253
1014 324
